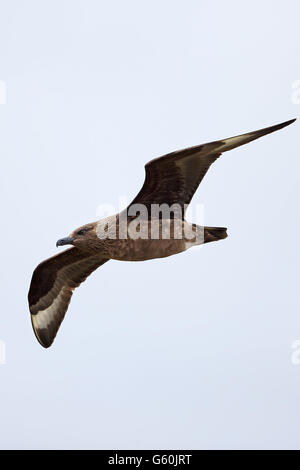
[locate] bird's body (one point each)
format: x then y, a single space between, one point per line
133 239
153 226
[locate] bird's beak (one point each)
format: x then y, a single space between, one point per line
65 241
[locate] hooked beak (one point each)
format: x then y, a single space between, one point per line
65 241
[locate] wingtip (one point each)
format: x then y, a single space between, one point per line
277 127
287 123
43 341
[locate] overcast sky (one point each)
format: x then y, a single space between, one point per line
192 351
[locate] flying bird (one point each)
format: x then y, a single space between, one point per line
153 226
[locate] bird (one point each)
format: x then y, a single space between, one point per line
152 226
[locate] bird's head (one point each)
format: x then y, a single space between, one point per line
84 237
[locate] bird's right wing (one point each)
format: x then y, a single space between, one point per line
51 289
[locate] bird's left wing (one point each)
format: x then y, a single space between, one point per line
174 178
51 289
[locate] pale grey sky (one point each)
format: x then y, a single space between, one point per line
193 351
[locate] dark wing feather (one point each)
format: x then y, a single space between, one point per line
51 289
174 178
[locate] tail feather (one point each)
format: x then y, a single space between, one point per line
213 234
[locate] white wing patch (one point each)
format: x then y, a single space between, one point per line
233 142
44 318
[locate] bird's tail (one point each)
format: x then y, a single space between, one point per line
213 234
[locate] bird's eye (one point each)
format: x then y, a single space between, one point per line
82 231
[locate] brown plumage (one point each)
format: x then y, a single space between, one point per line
171 180
52 286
